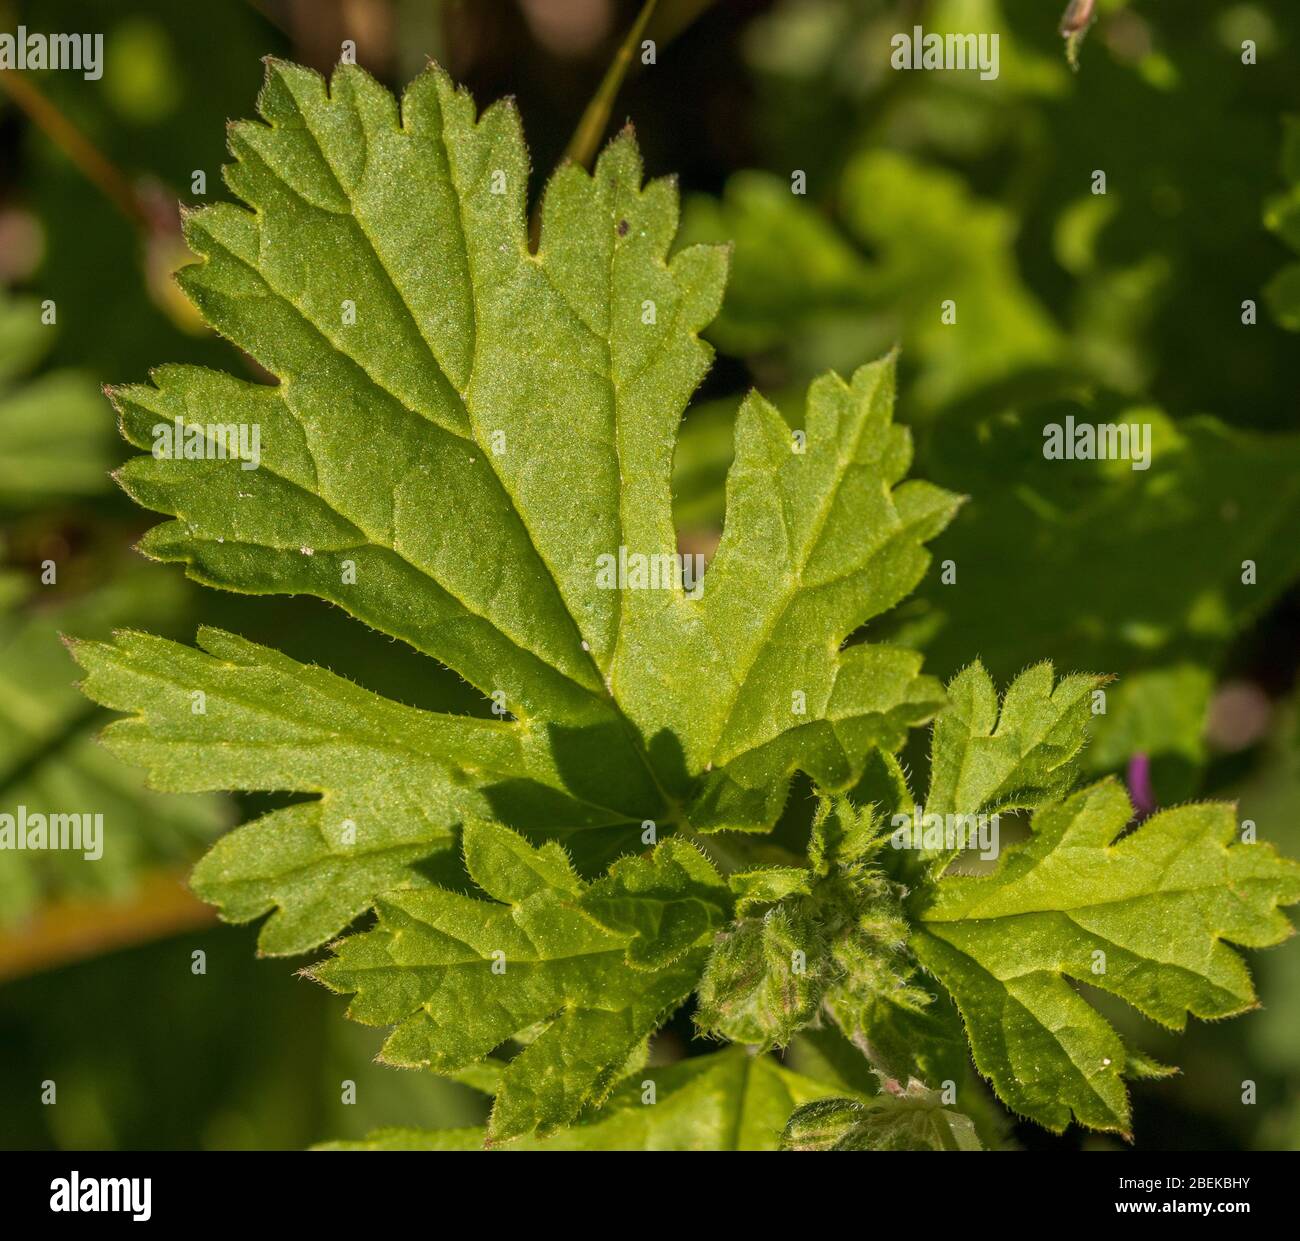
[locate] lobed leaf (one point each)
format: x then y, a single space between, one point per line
461 430
1146 916
391 782
595 969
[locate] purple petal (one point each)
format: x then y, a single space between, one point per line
1139 785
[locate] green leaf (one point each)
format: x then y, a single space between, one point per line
910 1118
1155 904
56 435
937 241
23 338
1282 216
464 436
665 900
1146 916
595 968
726 1101
793 269
1160 711
986 758
829 938
392 781
56 440
1224 491
49 759
1283 294
802 285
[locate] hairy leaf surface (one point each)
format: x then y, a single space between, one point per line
1147 916
586 973
463 434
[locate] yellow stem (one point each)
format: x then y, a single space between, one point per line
586 138
72 930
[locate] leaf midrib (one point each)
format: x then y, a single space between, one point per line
443 149
843 463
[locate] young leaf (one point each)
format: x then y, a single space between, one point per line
986 758
1147 916
829 937
596 968
910 1118
766 977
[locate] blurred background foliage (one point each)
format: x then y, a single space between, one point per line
916 188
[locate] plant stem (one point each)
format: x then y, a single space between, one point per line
84 155
76 929
586 138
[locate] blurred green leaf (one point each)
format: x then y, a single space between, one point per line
50 761
1097 565
57 437
729 1100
